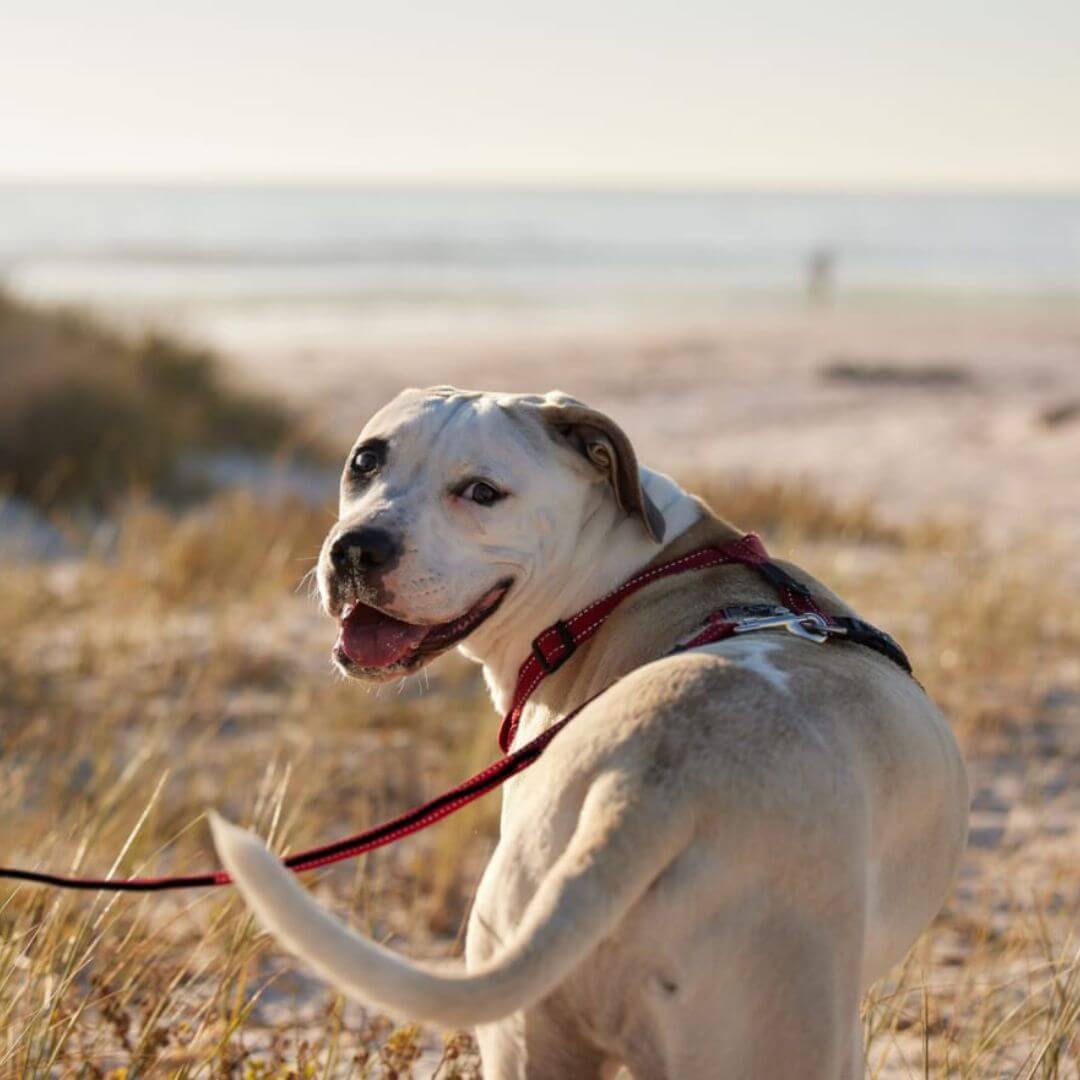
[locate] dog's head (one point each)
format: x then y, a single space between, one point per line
452 500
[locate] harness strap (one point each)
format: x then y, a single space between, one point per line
555 645
862 633
550 650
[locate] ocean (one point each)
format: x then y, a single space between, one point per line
305 267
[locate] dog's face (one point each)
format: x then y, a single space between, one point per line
451 501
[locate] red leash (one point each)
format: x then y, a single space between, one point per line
559 642
550 650
414 820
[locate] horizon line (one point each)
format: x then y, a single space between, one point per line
522 186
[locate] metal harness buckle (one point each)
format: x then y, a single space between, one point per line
808 625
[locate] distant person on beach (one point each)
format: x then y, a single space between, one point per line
820 276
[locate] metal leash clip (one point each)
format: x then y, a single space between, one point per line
808 625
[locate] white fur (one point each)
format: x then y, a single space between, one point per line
753 654
679 509
560 534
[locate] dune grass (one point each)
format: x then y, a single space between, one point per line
188 669
88 413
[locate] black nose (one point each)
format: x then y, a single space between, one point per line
364 548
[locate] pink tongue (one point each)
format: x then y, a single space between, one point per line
372 639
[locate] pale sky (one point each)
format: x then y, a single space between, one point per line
667 92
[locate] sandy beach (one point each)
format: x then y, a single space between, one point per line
952 411
924 459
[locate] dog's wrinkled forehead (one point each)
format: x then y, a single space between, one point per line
527 439
461 428
422 416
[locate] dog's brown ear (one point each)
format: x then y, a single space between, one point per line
599 439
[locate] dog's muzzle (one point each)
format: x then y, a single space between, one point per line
372 640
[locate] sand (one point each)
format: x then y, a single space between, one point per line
961 409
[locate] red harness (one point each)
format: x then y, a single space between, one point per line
799 614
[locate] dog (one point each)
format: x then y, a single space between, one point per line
722 851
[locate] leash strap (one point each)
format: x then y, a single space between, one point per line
550 650
420 817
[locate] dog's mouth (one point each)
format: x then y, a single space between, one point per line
371 640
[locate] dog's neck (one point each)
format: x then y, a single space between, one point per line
610 548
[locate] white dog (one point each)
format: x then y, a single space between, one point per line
718 855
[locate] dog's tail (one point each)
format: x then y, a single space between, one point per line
620 846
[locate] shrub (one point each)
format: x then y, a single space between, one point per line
87 412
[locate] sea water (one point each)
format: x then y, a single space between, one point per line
257 266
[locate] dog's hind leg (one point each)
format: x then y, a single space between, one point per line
773 997
535 1045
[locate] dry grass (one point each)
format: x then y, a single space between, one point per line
184 671
88 412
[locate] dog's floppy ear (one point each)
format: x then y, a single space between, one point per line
607 447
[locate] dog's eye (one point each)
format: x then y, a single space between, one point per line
365 462
481 493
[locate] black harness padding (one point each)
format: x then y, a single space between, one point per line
862 633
